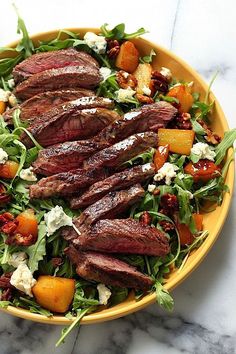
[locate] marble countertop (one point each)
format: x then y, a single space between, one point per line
203 322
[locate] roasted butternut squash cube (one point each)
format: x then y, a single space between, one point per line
9 169
128 57
143 74
179 141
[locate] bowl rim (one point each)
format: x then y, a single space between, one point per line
114 312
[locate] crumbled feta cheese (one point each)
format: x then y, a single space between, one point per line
146 90
28 174
3 156
97 43
12 100
17 258
146 167
131 115
167 171
55 219
4 95
151 188
22 279
105 72
203 151
104 294
11 83
166 72
122 95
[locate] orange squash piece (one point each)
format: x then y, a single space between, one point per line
179 141
183 94
143 74
3 107
128 57
8 169
160 156
54 293
203 170
27 224
186 237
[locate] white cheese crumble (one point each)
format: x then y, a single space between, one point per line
146 90
28 174
12 100
55 219
17 258
131 115
122 95
11 83
4 95
167 171
203 151
3 156
146 167
105 72
22 279
96 43
104 294
166 72
151 188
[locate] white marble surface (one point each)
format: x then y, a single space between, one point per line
204 319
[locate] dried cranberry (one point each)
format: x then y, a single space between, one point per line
169 204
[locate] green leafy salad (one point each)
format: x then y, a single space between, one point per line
190 170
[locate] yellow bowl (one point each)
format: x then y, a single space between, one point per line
212 221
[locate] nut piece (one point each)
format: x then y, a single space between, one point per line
145 218
169 204
158 83
113 48
210 137
126 80
144 99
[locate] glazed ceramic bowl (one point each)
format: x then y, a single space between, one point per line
213 221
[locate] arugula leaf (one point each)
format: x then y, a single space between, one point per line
37 251
168 99
148 58
31 305
58 43
25 45
224 145
7 64
163 297
4 304
197 127
118 32
118 295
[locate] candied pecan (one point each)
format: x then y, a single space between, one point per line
5 280
156 191
145 218
166 225
4 197
158 83
9 227
144 99
169 204
183 121
113 48
5 217
210 137
57 261
126 80
6 295
20 240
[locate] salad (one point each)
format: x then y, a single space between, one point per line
71 205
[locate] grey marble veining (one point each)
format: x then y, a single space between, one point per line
204 320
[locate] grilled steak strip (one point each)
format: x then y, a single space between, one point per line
119 180
69 122
66 183
51 60
56 79
123 236
107 270
43 102
150 117
65 157
115 155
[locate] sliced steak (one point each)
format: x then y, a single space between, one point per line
123 236
65 157
119 180
66 183
123 151
51 60
69 122
56 79
147 118
107 270
39 104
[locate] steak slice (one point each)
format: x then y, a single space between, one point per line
123 236
51 60
149 117
66 183
65 157
43 102
119 180
69 122
107 270
123 151
56 79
